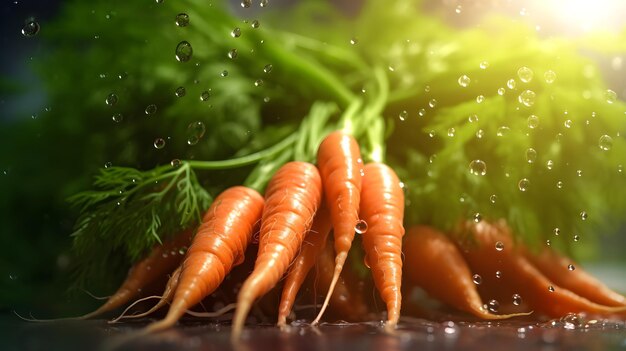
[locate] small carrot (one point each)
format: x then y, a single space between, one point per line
493 249
313 245
292 197
219 245
341 168
435 264
382 208
568 275
160 262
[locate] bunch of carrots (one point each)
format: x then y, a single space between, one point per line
303 203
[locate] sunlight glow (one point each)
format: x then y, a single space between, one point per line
586 14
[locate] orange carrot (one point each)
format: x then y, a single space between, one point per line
341 168
218 246
313 245
382 208
557 268
162 260
435 264
493 249
292 197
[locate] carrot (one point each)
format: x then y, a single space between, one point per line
162 260
435 264
219 245
557 269
341 168
164 299
382 208
494 249
292 197
313 245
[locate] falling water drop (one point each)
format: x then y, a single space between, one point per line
180 92
517 299
236 33
525 74
499 246
184 51
527 98
549 76
478 167
477 279
523 184
150 109
118 117
182 20
493 306
464 81
31 28
531 155
159 143
610 96
111 99
605 143
533 121
232 54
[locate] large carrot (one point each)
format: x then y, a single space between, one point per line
218 246
163 259
313 245
435 264
492 248
292 197
341 167
569 275
382 208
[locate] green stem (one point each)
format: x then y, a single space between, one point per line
244 160
264 171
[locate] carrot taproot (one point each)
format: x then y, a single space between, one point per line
292 197
492 248
341 168
162 260
434 263
218 246
562 271
313 245
382 208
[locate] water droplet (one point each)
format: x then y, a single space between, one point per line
255 24
431 133
182 251
258 82
432 103
517 299
232 54
583 215
403 115
531 155
12 276
108 165
184 51
180 92
511 84
224 73
549 164
568 123
484 65
150 109
523 184
263 3
620 168
605 143
557 231
246 3
236 33
533 121
458 9
159 143
493 198
205 95
579 172
473 118
182 20
117 118
525 74
570 267
450 328
548 242
421 112
354 41
31 28
111 99
610 96
498 274
551 288
499 245
502 131
267 68
195 132
175 163
464 81
480 99
576 237
559 184
451 132
501 91
549 76
477 279
493 306
477 217
360 227
478 167
480 133
527 98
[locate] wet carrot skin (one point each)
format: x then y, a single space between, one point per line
382 208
